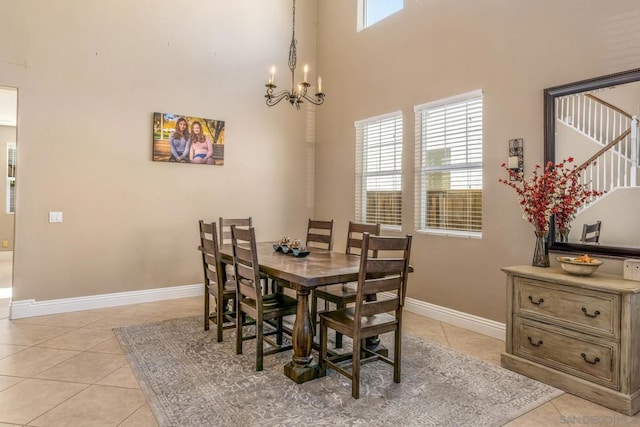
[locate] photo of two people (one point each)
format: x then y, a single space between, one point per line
187 139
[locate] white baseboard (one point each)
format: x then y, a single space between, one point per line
457 318
31 308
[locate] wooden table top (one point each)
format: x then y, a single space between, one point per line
319 268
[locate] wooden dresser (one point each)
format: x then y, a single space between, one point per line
580 334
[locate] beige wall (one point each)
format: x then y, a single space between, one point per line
511 50
7 134
90 74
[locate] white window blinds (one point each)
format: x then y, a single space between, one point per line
379 170
449 165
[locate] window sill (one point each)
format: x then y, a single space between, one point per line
451 233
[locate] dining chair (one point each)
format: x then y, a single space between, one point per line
320 234
251 301
225 237
225 227
344 293
370 317
591 233
215 282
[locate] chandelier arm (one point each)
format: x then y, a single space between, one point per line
317 101
274 99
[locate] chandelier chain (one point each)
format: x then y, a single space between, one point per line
292 49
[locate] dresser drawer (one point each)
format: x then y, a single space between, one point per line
583 356
580 309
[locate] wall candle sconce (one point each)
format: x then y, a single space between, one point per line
516 159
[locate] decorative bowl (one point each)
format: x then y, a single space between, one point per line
299 253
575 266
280 247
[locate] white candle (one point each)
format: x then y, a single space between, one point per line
319 84
273 74
513 162
306 70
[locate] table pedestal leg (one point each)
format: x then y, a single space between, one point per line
302 368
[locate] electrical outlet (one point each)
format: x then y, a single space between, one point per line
55 217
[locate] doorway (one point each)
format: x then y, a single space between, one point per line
8 138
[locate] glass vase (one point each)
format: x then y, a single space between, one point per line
563 235
540 252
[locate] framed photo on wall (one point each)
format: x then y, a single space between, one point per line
187 139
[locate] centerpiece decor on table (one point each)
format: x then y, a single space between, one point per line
552 190
291 246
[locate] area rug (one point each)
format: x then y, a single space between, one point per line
191 380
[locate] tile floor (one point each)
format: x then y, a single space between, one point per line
68 369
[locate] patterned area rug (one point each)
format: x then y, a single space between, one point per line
191 380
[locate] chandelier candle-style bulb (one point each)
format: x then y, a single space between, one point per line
273 74
319 84
306 70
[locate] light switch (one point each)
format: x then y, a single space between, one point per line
55 217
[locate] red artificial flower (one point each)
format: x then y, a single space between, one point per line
554 190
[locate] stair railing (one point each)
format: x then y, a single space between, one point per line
615 164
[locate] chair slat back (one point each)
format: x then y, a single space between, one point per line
591 232
384 284
355 234
320 234
210 253
245 262
387 271
372 308
225 227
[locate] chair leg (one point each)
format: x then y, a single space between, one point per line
275 286
259 345
339 306
219 317
396 356
355 368
323 350
239 323
206 308
280 324
314 313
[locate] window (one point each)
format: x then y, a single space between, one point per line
379 170
372 11
449 166
11 177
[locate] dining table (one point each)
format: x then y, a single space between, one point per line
302 274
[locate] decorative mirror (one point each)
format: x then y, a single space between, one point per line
595 122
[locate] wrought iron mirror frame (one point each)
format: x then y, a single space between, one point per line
550 94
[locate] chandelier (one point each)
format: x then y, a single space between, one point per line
295 96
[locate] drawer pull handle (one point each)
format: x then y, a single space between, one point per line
538 344
596 360
595 314
540 300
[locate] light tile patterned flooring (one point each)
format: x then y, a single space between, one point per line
68 369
